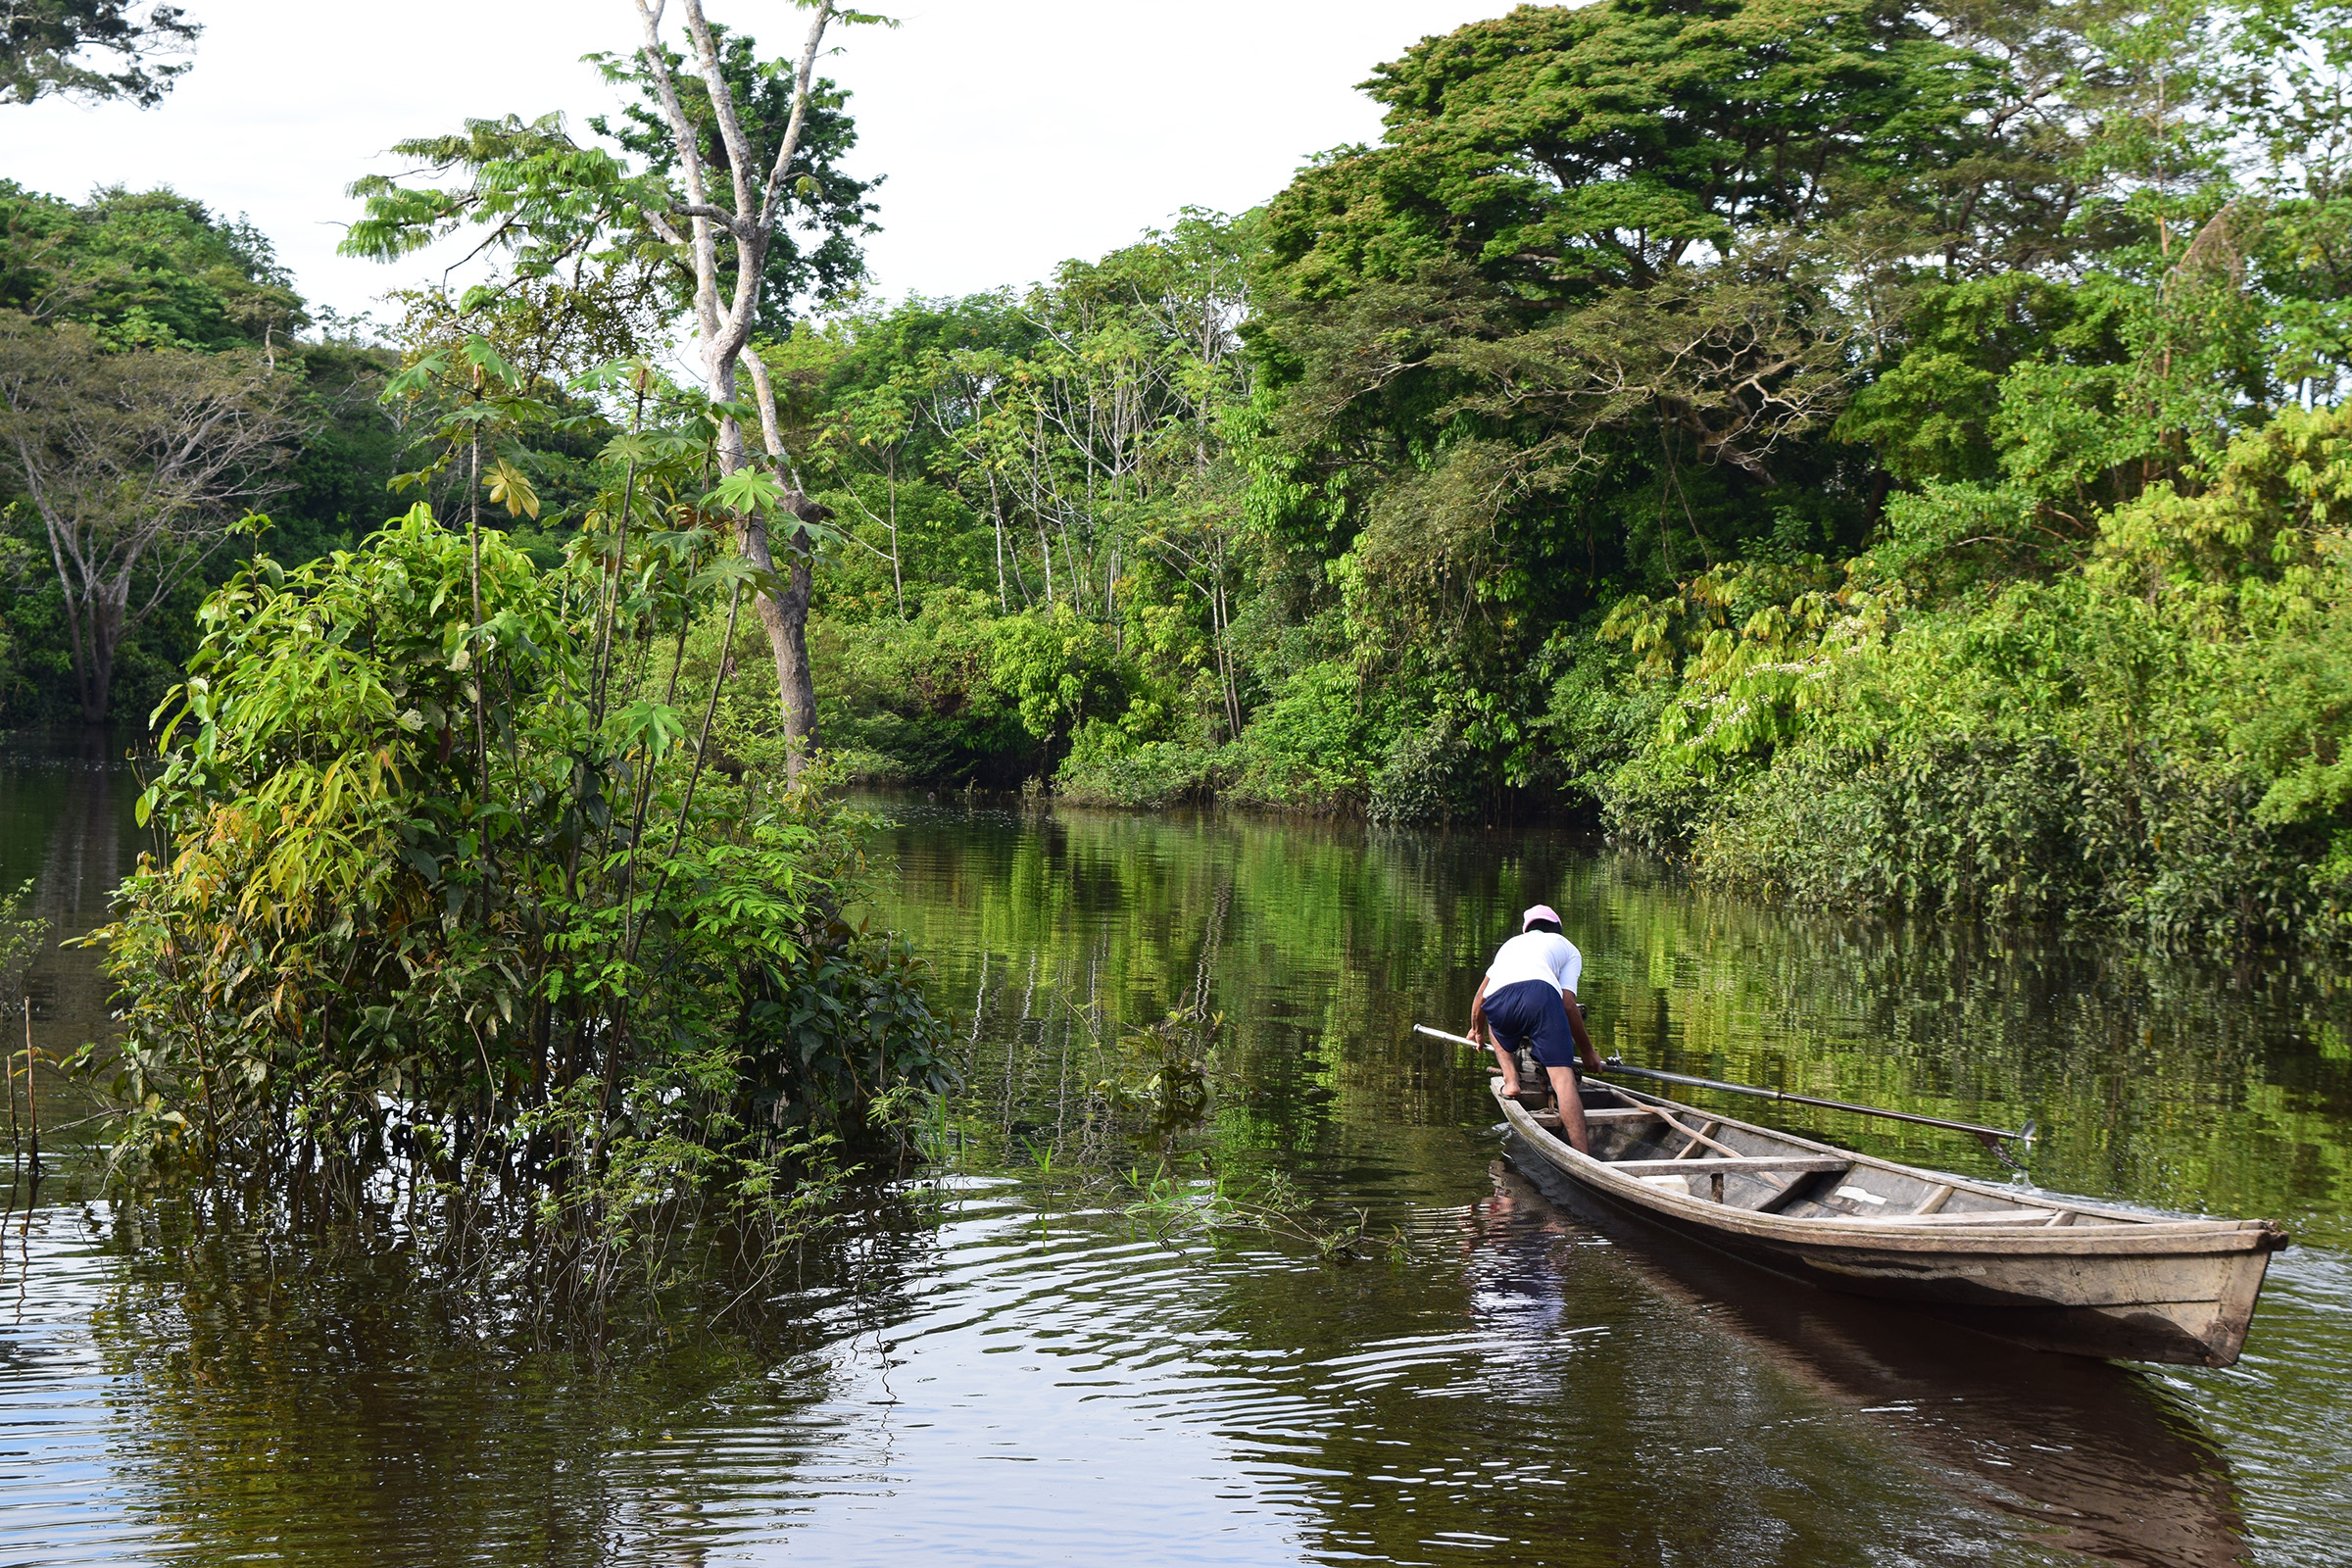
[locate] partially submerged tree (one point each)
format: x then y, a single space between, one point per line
47 44
728 310
139 465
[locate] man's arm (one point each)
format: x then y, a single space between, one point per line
1576 1027
1478 1012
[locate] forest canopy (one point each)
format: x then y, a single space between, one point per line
1619 432
1683 407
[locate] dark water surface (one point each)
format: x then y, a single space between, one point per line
998 1366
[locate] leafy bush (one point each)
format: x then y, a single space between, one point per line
1059 669
1313 744
441 913
1104 767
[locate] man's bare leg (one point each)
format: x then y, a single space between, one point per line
1571 1105
1509 1064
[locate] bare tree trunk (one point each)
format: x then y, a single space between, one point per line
784 612
996 518
725 327
104 623
786 615
897 583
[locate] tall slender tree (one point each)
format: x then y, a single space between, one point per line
138 465
727 307
717 197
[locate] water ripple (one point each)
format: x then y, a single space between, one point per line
1025 1384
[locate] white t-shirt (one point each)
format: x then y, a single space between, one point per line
1535 956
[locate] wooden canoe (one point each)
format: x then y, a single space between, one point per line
2040 1270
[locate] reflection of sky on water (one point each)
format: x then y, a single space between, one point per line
1033 1380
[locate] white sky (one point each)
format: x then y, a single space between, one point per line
1015 134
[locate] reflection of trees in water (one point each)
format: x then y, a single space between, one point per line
1504 1381
2159 1079
1508 1390
297 1396
1521 1385
66 825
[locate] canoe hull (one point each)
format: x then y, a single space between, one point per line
2175 1292
2188 1310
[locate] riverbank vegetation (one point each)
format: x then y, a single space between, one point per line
1882 457
488 911
1886 457
466 921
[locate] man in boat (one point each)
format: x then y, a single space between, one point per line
1529 998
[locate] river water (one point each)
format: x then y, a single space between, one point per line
1002 1361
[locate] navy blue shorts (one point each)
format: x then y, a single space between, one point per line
1530 1012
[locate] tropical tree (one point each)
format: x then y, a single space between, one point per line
714 203
139 465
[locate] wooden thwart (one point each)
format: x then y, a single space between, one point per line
1729 1164
1698 1138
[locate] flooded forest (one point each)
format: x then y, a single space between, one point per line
670 901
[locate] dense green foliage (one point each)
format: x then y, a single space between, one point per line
1767 429
156 274
1701 414
2153 735
456 892
144 268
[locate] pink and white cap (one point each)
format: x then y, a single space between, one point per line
1541 912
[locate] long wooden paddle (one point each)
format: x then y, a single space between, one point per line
1613 1066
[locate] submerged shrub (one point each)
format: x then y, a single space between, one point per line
1105 767
449 904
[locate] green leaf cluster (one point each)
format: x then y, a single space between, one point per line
455 891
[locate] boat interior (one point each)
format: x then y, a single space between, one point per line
1680 1149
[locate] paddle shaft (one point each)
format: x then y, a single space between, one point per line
2023 1135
